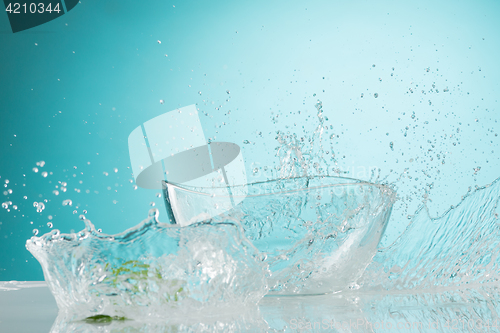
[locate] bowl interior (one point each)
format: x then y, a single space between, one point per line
317 234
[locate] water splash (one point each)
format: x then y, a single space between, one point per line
304 156
154 269
458 250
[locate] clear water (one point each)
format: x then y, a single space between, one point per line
440 270
152 270
401 94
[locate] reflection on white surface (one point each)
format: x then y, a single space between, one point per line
29 307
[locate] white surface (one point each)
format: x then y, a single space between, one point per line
29 307
26 307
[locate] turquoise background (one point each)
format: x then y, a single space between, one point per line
74 88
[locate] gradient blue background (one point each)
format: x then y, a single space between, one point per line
73 89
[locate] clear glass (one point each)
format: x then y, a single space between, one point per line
317 234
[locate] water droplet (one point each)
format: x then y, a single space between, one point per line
135 187
162 101
63 188
14 207
81 217
75 211
44 174
9 191
158 195
115 170
154 212
105 173
152 204
56 192
199 92
49 224
375 95
99 230
67 202
35 232
115 202
7 181
391 145
159 41
255 170
228 92
84 211
5 205
35 169
246 142
40 207
25 197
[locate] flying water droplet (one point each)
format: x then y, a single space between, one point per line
40 207
67 202
44 174
154 212
49 224
152 203
35 169
35 232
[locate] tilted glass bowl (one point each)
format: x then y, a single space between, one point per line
318 234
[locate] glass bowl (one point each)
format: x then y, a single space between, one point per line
317 234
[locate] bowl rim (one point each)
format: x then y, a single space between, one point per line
349 182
